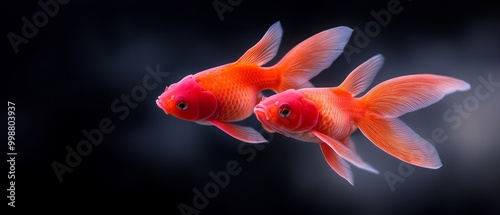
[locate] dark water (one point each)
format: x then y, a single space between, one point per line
82 78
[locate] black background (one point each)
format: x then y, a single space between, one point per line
65 79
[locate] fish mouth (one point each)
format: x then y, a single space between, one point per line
161 104
261 111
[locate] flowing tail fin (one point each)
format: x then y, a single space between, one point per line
395 97
310 57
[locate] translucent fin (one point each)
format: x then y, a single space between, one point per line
337 163
361 77
245 134
265 49
397 96
344 152
397 139
310 57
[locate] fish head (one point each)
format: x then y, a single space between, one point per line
287 113
187 100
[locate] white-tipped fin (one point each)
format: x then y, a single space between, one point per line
339 165
310 57
345 152
266 48
361 77
245 134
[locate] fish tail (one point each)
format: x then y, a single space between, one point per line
310 57
395 97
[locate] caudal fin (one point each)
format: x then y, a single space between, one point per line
397 139
310 57
395 97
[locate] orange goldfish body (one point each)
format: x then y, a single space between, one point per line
228 93
329 116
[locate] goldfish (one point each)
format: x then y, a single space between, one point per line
329 115
228 93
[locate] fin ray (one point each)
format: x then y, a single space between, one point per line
397 96
397 139
361 77
339 165
310 57
245 134
345 152
266 49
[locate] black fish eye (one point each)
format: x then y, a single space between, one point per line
181 105
285 111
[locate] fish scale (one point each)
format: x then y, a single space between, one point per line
333 120
236 100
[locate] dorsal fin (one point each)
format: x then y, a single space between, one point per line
361 77
265 49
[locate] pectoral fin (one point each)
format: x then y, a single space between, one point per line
344 152
245 134
204 123
339 165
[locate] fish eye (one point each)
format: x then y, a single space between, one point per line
181 105
284 111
